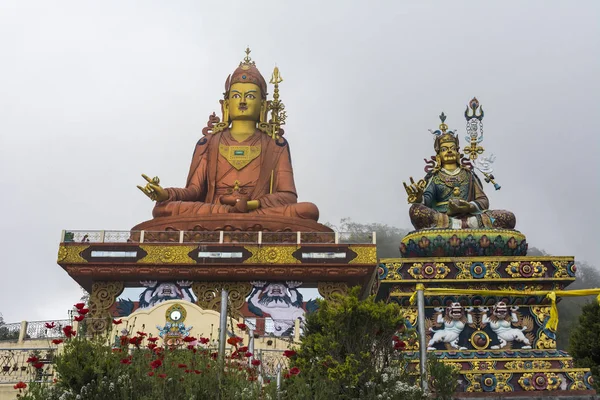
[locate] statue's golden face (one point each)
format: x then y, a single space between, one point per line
245 102
448 154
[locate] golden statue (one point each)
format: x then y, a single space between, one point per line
242 165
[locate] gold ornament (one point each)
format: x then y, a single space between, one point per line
168 255
544 342
209 295
239 156
533 269
364 255
418 271
328 289
271 255
102 298
71 254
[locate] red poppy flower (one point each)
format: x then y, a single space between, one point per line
79 306
38 365
68 331
83 311
234 340
32 359
155 364
142 334
57 341
289 353
79 318
151 373
294 371
197 372
242 326
50 325
243 349
247 354
126 361
256 362
287 375
117 321
399 345
20 385
153 339
204 340
189 339
182 366
214 355
151 346
163 376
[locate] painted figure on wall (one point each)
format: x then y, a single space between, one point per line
156 293
282 301
451 195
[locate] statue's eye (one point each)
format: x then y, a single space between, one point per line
250 96
236 96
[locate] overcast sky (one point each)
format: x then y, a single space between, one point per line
92 94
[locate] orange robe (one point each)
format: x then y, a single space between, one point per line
212 176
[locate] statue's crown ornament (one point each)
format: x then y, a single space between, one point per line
442 134
247 72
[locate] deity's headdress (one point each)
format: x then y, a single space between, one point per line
443 135
247 73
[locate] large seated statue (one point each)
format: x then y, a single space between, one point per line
450 208
241 175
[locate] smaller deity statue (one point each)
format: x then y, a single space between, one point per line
453 318
451 195
501 322
283 302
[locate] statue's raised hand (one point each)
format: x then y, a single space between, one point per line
153 189
415 190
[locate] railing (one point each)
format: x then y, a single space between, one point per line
270 327
14 366
32 330
76 236
38 329
271 361
10 331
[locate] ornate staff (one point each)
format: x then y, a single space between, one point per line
475 137
278 114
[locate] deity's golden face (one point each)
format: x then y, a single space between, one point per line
448 154
245 101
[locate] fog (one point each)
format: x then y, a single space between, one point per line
92 94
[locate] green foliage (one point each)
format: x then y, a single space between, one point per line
443 378
347 352
89 369
584 343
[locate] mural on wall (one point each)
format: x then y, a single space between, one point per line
281 301
156 293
